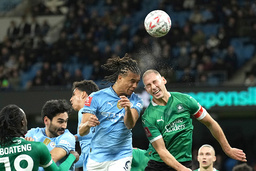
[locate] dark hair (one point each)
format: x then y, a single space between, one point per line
54 107
88 86
11 117
118 65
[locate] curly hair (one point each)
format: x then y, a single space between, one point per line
88 86
11 117
117 66
54 107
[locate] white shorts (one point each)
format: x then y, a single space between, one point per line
123 164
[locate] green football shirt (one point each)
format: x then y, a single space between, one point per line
173 123
139 159
28 156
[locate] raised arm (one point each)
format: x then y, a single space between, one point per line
131 115
219 135
88 120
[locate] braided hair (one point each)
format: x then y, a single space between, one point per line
11 117
117 66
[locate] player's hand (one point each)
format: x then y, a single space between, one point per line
236 154
29 139
124 102
92 122
75 154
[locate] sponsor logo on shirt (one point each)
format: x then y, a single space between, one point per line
88 101
148 133
175 125
65 142
46 141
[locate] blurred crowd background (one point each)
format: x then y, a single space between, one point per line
47 44
209 41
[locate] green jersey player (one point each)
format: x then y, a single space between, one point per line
18 154
168 125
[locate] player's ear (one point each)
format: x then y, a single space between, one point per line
214 158
164 80
84 95
46 120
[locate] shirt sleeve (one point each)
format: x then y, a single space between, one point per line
138 105
64 166
30 133
152 132
66 141
195 108
90 105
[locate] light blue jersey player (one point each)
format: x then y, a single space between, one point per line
112 140
110 114
80 91
65 141
55 136
84 142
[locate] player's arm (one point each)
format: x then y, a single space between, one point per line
166 156
49 165
88 120
64 166
131 115
219 135
58 153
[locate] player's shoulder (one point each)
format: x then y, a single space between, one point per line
67 134
179 94
148 111
35 130
100 93
134 95
34 144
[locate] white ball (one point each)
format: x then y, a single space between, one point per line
157 23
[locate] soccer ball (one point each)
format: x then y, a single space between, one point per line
157 23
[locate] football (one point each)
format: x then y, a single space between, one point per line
157 23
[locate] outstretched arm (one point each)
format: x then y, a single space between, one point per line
131 115
167 157
219 135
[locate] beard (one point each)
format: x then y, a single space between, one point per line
55 131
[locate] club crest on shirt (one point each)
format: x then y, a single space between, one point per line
118 105
180 108
52 144
88 101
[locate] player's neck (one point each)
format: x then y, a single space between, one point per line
48 133
207 169
162 101
117 89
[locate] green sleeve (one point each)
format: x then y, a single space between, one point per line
64 166
150 129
